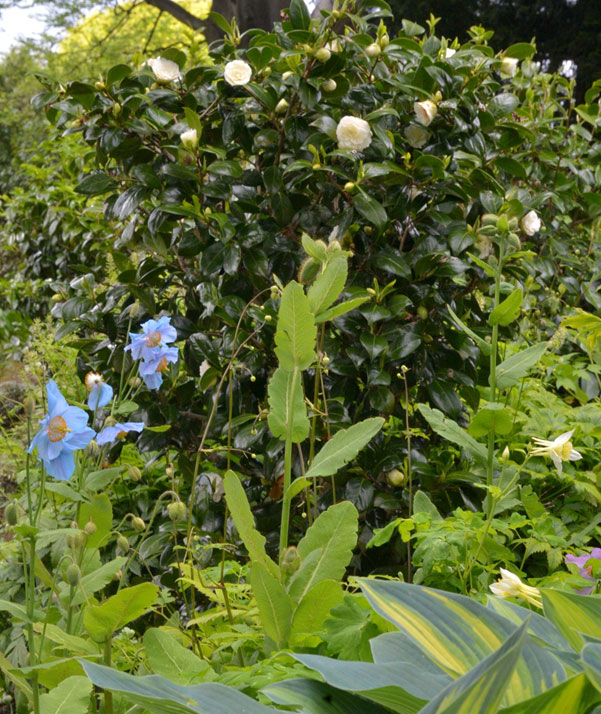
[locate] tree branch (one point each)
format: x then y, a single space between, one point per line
178 12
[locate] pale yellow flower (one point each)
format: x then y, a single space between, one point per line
509 585
560 449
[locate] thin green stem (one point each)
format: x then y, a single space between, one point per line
285 524
108 695
409 474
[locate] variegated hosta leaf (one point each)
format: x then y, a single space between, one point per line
457 633
481 690
573 614
575 695
311 697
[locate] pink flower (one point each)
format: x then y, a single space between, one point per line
585 571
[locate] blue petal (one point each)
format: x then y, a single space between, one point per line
100 395
40 436
62 467
134 426
108 434
56 402
153 381
76 418
79 439
149 326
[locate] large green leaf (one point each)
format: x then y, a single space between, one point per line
326 549
72 696
457 633
245 523
313 610
482 689
328 285
343 447
511 370
172 660
341 309
573 615
275 606
310 697
160 696
451 431
287 402
100 511
118 610
296 331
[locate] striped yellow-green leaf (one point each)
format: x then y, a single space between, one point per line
573 614
591 658
482 689
576 696
457 633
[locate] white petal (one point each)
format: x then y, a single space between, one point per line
556 460
563 438
543 442
511 577
575 455
496 590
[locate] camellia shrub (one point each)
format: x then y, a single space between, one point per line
392 148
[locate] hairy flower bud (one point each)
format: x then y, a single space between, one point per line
90 528
138 524
134 473
72 574
29 405
123 543
177 511
373 50
11 513
291 561
329 85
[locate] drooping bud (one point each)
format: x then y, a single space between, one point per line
291 561
29 405
11 512
177 511
90 528
123 543
134 473
72 574
138 524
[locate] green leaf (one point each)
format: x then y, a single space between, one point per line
340 309
511 166
328 285
72 696
193 120
311 697
159 696
172 660
591 658
482 344
275 606
507 311
314 249
326 548
245 523
343 447
349 632
370 209
296 331
482 689
95 183
313 610
286 400
75 645
573 614
451 431
457 633
521 50
511 370
94 581
100 511
118 610
491 417
299 15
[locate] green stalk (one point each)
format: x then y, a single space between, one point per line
108 695
285 524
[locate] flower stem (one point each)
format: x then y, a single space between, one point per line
285 524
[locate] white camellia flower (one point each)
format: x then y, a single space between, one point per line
509 66
484 245
531 223
425 111
353 134
237 73
189 139
164 70
509 585
560 449
449 52
417 136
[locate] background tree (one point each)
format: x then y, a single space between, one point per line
564 29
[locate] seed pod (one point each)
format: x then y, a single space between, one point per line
291 561
72 574
11 513
177 511
138 523
90 528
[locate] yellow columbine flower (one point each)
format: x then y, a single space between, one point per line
509 585
559 450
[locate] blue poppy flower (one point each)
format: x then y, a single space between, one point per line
100 392
155 335
118 431
151 370
64 430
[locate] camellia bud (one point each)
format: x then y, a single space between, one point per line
322 54
396 478
116 109
90 528
286 75
123 543
138 523
11 512
329 85
100 85
373 50
177 511
422 311
281 106
505 455
57 297
291 561
349 186
384 40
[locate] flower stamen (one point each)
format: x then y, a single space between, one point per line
57 429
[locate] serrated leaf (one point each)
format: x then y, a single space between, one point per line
328 285
340 309
287 410
343 447
296 330
245 523
508 310
511 370
118 610
275 606
171 659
